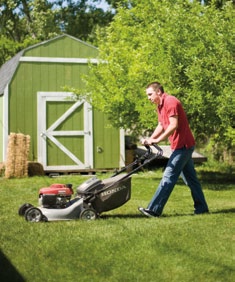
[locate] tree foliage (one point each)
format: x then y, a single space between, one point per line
184 45
26 18
82 18
217 3
26 22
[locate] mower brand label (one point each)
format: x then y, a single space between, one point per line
113 190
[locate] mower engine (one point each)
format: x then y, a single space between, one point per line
56 196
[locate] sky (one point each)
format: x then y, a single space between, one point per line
103 5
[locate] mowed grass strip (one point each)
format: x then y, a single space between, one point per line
122 245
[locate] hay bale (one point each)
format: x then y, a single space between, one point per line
2 169
17 155
10 166
35 169
129 158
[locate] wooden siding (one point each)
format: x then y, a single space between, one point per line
1 128
46 68
27 81
106 142
63 47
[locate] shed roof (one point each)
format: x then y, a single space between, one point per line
8 69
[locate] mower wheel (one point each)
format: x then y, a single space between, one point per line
23 208
88 214
33 215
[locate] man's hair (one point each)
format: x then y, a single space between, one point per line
155 85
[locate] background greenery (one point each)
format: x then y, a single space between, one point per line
122 245
189 48
186 45
26 22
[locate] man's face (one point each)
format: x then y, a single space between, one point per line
153 95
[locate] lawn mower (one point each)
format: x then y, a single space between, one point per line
92 197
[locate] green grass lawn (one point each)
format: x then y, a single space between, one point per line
122 245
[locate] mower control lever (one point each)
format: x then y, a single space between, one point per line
147 147
159 149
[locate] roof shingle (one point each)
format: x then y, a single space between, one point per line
7 71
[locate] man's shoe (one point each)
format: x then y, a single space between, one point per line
147 212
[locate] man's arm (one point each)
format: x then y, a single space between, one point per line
160 135
157 132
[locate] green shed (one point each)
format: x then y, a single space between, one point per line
66 135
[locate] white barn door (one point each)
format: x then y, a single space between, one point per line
65 140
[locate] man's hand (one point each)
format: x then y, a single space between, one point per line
148 141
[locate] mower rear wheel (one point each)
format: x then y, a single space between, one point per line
88 214
33 215
23 208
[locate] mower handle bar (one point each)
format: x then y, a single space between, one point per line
145 160
149 150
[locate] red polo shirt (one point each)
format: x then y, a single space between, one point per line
182 136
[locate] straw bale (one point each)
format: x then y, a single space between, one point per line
2 169
17 155
35 169
129 158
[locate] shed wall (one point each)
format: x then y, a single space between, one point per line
106 142
49 67
1 128
63 47
27 81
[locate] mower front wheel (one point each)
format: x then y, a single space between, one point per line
88 214
23 208
33 215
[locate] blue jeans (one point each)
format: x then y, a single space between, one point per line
180 163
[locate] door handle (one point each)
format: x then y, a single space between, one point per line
99 149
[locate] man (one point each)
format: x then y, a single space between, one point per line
173 124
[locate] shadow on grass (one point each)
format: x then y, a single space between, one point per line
211 181
107 216
217 177
232 210
129 216
9 272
